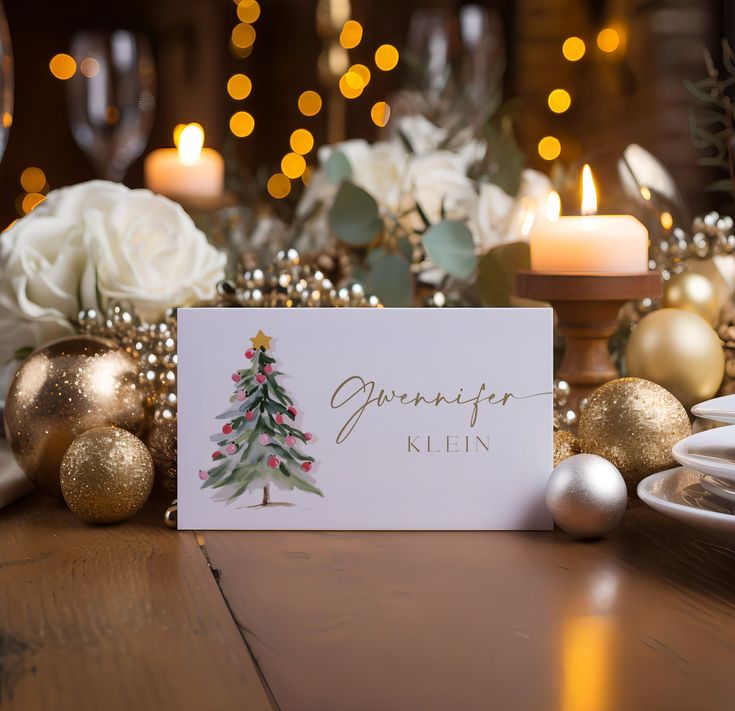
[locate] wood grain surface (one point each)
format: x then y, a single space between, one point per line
114 617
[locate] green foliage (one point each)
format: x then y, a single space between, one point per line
497 272
354 216
450 246
390 278
505 160
337 167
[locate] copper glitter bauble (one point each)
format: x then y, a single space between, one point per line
679 351
633 423
565 445
106 475
692 292
63 390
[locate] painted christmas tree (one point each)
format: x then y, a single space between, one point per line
258 443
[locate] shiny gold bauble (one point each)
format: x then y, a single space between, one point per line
161 442
62 390
633 423
565 445
106 475
678 350
692 292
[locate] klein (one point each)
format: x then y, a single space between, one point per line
454 444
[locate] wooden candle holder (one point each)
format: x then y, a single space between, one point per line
587 306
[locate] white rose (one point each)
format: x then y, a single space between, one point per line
98 238
500 218
422 135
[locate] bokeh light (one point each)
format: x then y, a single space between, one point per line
310 103
573 49
242 124
243 35
386 57
239 86
293 165
90 67
608 39
350 85
301 141
63 66
380 113
667 221
362 71
31 201
549 147
559 101
248 11
33 180
279 186
351 34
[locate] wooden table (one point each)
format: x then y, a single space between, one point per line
138 617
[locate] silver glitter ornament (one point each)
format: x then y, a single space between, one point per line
586 496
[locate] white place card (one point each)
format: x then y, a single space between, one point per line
336 419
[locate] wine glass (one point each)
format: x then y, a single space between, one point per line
111 98
6 82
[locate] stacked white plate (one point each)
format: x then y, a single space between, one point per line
702 491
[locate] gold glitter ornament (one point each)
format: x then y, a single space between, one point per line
692 292
106 475
565 445
161 442
678 350
63 390
633 423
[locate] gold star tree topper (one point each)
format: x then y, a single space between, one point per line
261 341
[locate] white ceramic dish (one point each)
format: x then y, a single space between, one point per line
677 493
720 409
718 488
711 452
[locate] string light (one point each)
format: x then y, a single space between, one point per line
31 201
559 101
350 85
362 71
33 180
667 221
242 124
279 186
351 34
293 165
248 11
243 35
63 66
239 86
310 103
301 141
380 113
90 67
608 40
549 147
386 57
573 49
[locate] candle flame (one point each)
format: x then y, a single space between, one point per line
553 206
589 193
191 140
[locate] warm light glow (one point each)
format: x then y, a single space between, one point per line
362 71
301 141
293 165
33 180
549 147
5 229
248 11
63 66
645 193
279 186
239 86
306 177
31 201
7 119
243 35
380 113
667 221
242 124
310 103
191 142
559 101
553 206
351 34
528 212
386 57
240 52
608 39
90 67
573 49
586 650
178 128
589 192
350 85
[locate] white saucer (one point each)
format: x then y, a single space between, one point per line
678 494
711 452
720 409
718 487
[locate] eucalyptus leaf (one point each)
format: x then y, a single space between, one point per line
338 167
450 246
391 280
497 272
354 216
506 160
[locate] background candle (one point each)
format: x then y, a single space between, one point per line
589 243
190 173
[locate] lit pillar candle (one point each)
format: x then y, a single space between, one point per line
588 243
190 173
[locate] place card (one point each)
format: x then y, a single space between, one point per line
336 419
